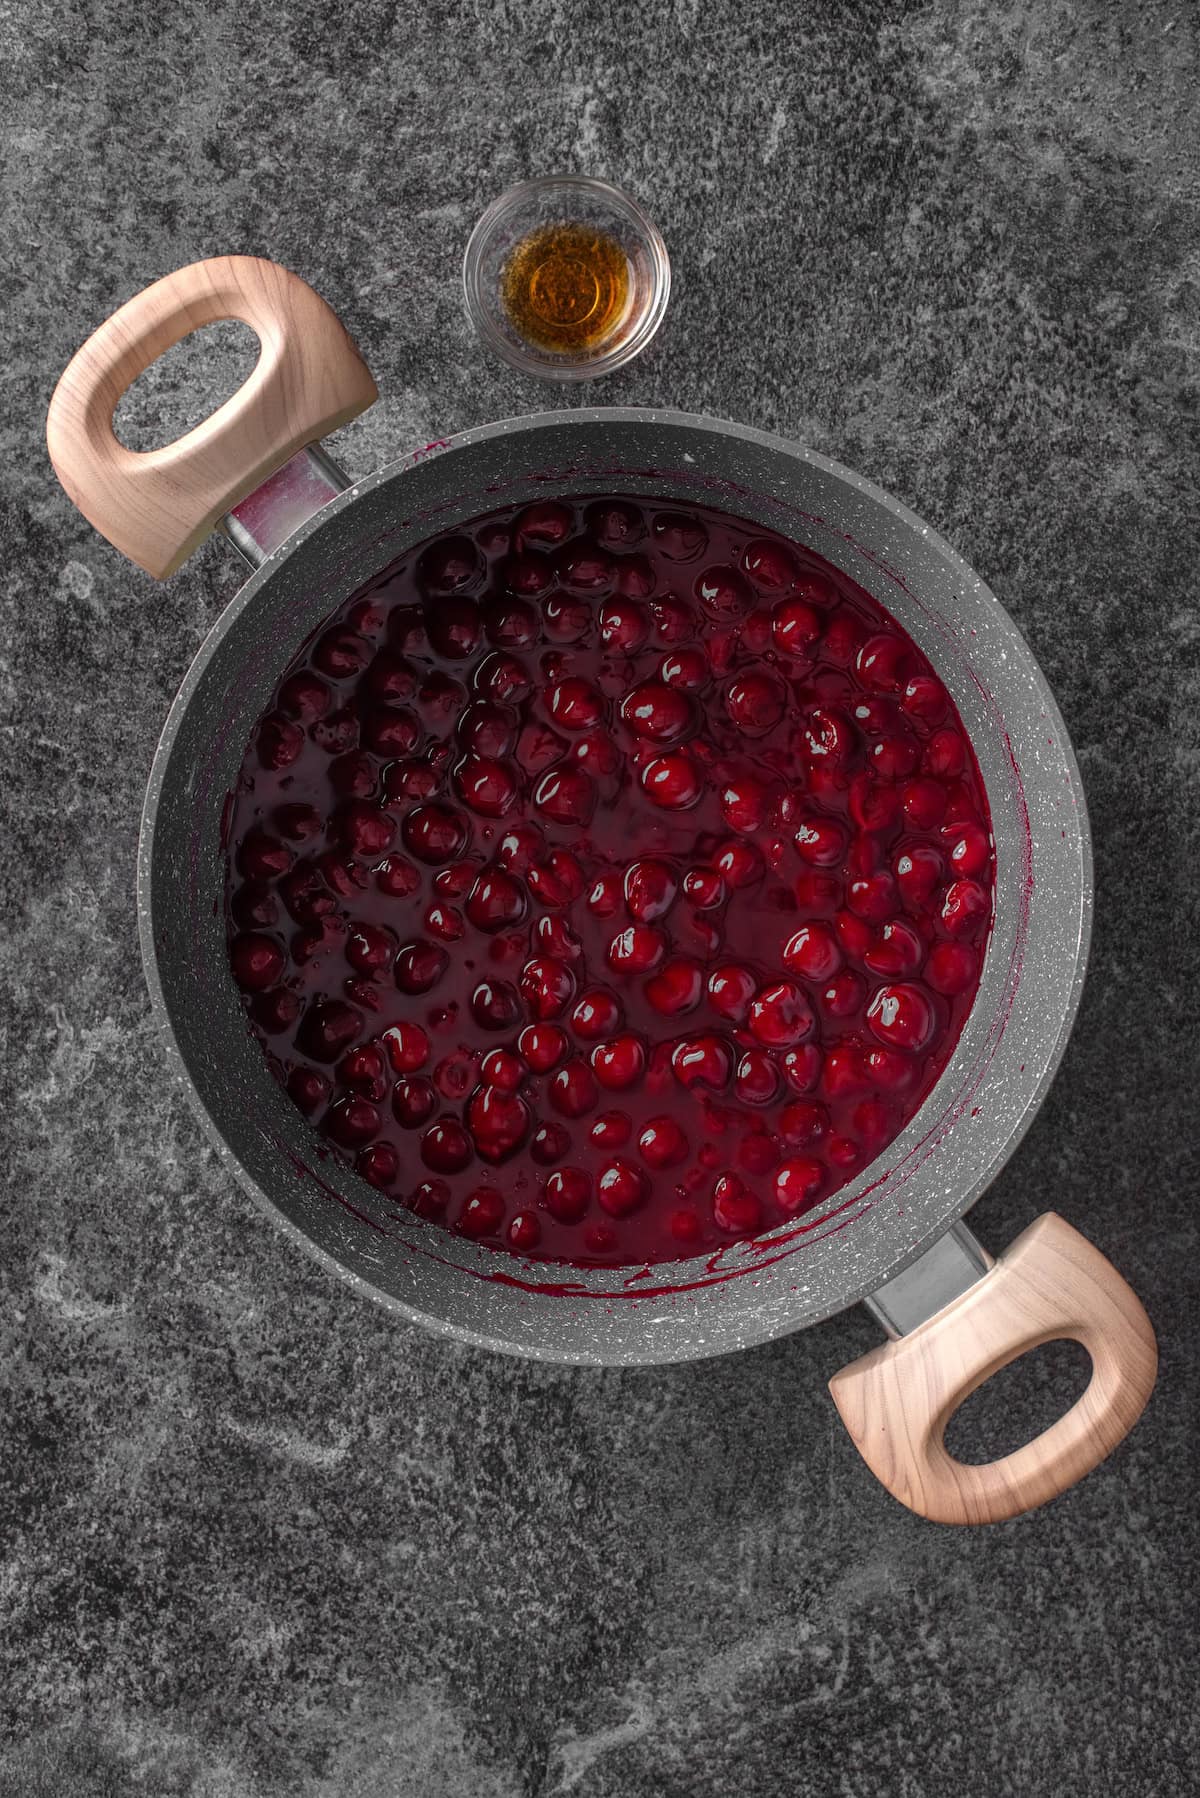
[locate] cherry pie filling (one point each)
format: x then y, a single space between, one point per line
609 881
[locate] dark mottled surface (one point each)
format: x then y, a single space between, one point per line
256 1540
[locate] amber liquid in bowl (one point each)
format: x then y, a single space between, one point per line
566 287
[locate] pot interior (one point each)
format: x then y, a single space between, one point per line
887 1214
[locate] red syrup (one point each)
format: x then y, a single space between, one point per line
609 881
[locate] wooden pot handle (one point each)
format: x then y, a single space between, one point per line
1051 1284
158 505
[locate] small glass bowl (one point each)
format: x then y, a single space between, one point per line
566 200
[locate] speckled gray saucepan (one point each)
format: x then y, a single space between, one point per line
893 1235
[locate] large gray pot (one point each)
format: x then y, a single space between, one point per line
893 1235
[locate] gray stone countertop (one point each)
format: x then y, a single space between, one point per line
256 1540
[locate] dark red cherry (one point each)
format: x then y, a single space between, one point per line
945 755
657 713
262 856
902 1017
546 523
755 702
827 737
730 990
624 625
565 795
414 1101
495 1005
257 961
723 593
662 1143
329 1028
814 952
497 901
951 967
445 923
498 1122
674 620
489 729
502 678
566 619
255 907
575 703
802 1067
527 574
744 803
396 877
619 1063
636 950
557 881
549 1143
307 1089
820 841
873 896
567 1194
781 1015
370 948
967 848
524 1232
703 889
650 888
583 566
303 695
677 987
898 949
771 565
702 1061
740 865
451 565
803 1123
735 1207
678 537
756 1078
543 1046
795 628
873 805
446 1147
547 986
429 1199
336 733
672 782
615 523
597 1013
278 742
482 1213
798 1184
352 1121
511 623
500 1067
489 788
621 1188
686 669
883 662
924 698
340 653
965 907
392 730
435 834
919 870
407 1046
573 1089
419 966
